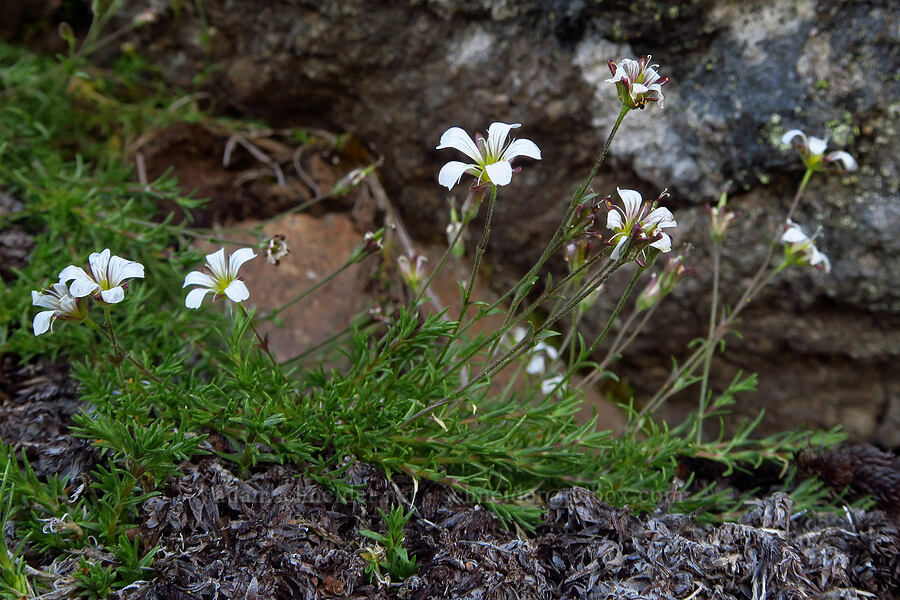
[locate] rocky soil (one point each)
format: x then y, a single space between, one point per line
276 533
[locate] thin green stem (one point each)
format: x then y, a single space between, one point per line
579 194
440 264
707 361
618 345
806 177
559 235
274 312
605 151
753 286
756 284
357 323
111 333
263 343
499 333
577 364
523 345
570 339
194 233
617 311
121 353
479 253
687 368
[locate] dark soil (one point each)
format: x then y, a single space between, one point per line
280 534
276 533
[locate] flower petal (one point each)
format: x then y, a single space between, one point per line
500 172
195 297
44 300
199 278
99 261
614 219
840 155
70 273
458 139
216 262
818 258
238 258
120 269
113 295
664 243
627 67
535 365
788 137
547 349
522 147
237 291
452 172
82 285
662 217
550 384
817 146
497 134
42 321
618 249
793 234
632 201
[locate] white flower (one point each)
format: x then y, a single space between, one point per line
61 304
107 275
637 82
800 249
492 156
537 363
812 151
223 280
635 213
550 384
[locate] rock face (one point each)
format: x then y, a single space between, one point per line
398 73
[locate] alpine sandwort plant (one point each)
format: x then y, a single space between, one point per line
416 395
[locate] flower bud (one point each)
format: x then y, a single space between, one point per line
276 248
651 294
455 239
412 269
662 285
719 219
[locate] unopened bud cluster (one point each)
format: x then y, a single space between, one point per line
662 285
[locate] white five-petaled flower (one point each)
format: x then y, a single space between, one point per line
800 250
61 305
492 156
636 212
812 152
637 82
224 279
107 276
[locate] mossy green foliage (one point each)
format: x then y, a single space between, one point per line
64 130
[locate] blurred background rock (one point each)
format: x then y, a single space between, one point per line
397 73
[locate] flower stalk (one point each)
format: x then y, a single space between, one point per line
710 348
